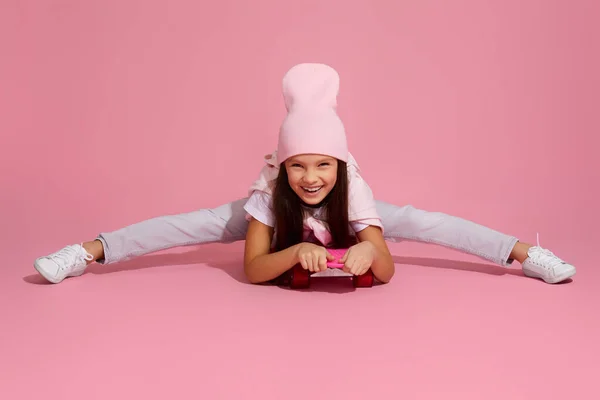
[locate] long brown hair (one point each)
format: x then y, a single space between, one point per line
289 213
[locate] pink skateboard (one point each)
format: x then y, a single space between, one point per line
300 278
338 254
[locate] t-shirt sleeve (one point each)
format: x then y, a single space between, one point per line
260 206
362 208
359 226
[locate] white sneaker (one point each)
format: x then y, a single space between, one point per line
543 264
69 261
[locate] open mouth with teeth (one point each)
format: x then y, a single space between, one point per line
312 190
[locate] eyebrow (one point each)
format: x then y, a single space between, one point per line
319 161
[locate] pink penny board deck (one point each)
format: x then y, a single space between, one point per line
337 253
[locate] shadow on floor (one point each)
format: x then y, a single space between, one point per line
230 263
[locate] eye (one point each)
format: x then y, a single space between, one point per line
324 164
296 165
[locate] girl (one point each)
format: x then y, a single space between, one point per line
309 197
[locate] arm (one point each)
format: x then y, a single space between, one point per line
383 265
259 264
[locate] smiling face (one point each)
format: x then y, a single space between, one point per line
311 176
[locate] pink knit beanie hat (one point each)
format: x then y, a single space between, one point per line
311 125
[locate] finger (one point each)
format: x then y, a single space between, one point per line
351 266
363 269
357 267
315 263
345 257
303 262
308 261
347 265
329 256
322 263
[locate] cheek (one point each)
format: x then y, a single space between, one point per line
332 178
293 179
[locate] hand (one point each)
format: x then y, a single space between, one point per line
313 257
358 258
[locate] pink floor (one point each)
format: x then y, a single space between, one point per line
113 111
185 324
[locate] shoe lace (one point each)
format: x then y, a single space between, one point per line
544 256
65 256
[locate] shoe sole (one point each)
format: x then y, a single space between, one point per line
556 279
50 278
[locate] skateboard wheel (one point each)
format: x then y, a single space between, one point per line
300 278
364 280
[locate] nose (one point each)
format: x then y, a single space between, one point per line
310 177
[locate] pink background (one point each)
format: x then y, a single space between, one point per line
117 111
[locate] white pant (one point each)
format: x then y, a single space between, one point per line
227 224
